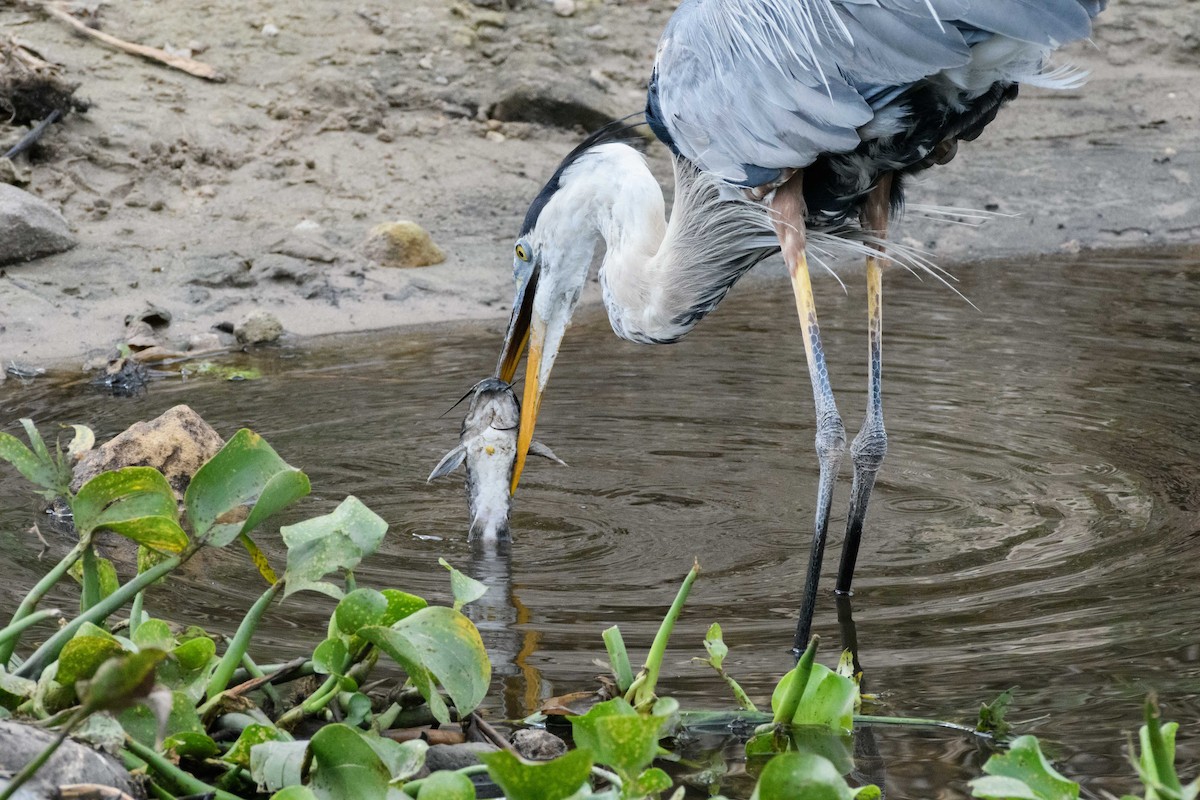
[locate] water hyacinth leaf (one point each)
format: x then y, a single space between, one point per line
617 735
252 736
652 782
540 780
828 699
438 643
258 558
295 793
246 471
135 502
361 608
1024 762
123 680
464 588
106 574
14 690
345 767
278 765
83 655
101 731
992 716
447 785
154 633
195 653
356 707
1156 761
142 724
788 776
190 744
36 465
83 441
330 657
338 540
400 605
404 760
715 646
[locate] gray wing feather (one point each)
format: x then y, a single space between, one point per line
774 84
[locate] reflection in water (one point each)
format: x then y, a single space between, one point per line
1035 523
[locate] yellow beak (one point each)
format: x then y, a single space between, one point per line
531 403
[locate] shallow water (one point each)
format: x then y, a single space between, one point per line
1037 523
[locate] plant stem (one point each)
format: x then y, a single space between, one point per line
181 780
17 628
30 769
870 719
643 694
39 591
256 672
54 645
240 642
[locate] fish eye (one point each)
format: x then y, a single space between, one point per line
523 251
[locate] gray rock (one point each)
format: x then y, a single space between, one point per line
537 744
456 756
258 327
30 227
560 104
73 763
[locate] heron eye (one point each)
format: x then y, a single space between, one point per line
522 252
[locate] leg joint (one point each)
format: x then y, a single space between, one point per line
831 435
869 448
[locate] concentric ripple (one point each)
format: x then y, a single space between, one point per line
1034 523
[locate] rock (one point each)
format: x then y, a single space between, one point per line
536 744
564 8
204 343
402 244
561 104
152 315
72 763
259 327
304 241
176 444
10 173
30 227
456 756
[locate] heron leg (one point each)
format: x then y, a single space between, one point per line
870 445
789 211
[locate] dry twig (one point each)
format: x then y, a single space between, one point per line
188 65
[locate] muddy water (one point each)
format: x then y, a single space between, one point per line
1037 523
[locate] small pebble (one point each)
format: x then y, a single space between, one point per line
564 8
270 31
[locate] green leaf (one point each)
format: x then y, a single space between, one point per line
992 716
828 699
122 680
195 653
788 776
83 655
447 785
361 608
101 731
1156 763
141 723
540 780
277 765
246 470
36 465
1025 763
190 744
652 782
331 657
618 736
345 767
464 588
252 736
715 646
295 793
338 540
438 643
400 605
154 633
136 502
14 690
402 759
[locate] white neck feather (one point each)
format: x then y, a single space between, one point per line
660 277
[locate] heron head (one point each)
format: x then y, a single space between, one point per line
551 260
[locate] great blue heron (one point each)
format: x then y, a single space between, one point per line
792 124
